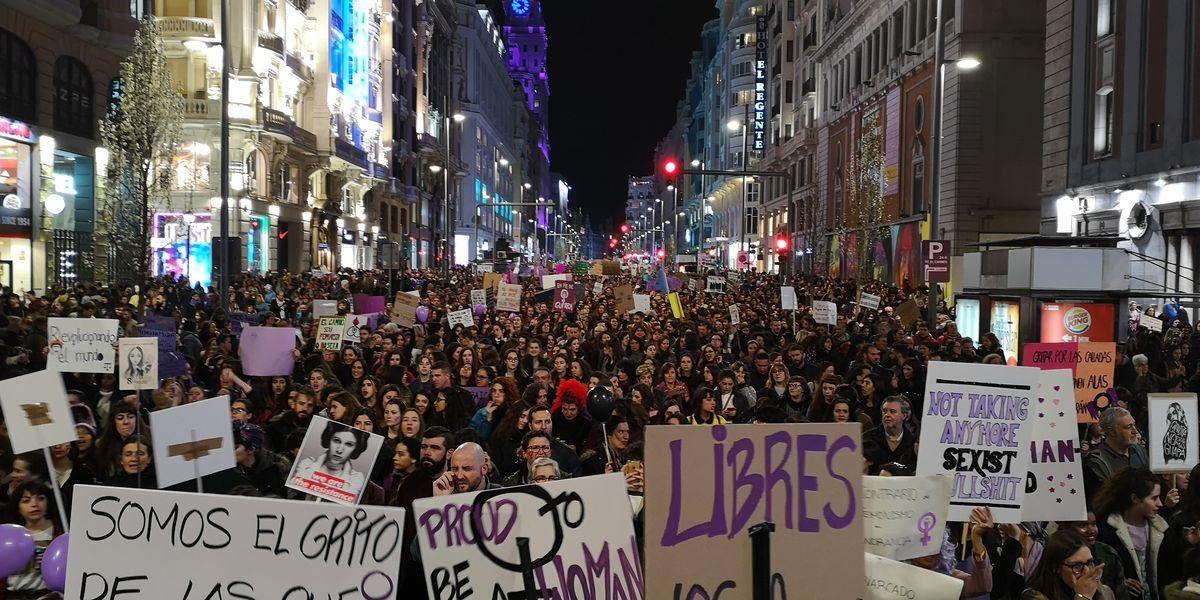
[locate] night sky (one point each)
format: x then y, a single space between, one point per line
617 70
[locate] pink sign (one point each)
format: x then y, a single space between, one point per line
267 351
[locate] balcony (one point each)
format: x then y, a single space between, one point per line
278 123
201 110
809 86
378 171
296 64
271 42
186 27
810 40
304 139
347 152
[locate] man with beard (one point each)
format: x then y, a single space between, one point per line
296 417
420 484
469 467
541 420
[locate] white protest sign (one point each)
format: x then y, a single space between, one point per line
323 308
597 288
1055 458
787 297
1151 323
974 430
715 285
508 298
174 545
572 526
461 317
354 324
192 440
1172 437
870 301
905 517
735 315
478 297
137 363
888 579
36 411
549 280
824 312
334 461
641 303
82 345
329 333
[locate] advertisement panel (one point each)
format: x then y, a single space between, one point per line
1006 324
1078 322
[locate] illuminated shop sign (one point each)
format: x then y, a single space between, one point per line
16 130
758 122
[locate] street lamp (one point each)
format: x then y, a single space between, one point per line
968 63
435 169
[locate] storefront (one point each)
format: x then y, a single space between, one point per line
182 246
17 174
258 244
71 214
1005 323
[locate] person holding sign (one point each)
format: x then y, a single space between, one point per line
1067 571
342 444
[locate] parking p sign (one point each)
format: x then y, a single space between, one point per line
935 256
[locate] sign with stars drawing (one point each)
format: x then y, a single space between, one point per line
1055 459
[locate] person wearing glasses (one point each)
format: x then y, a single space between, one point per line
536 445
1067 571
544 470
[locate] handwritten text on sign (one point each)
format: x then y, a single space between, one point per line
142 544
1091 364
905 517
714 483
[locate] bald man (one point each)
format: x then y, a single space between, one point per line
469 466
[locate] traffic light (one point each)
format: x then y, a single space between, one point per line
670 167
662 253
612 242
624 228
781 242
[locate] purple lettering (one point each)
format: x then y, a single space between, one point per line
778 474
671 534
835 520
806 483
742 478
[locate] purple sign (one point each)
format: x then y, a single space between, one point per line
171 364
162 328
366 305
481 395
267 351
240 320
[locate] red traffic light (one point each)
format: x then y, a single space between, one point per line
624 228
670 167
781 243
612 243
661 253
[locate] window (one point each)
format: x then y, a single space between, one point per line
742 69
1102 130
918 177
18 78
72 97
1105 17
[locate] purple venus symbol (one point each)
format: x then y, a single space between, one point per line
925 525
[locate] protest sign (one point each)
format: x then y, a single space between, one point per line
172 364
1091 365
82 345
549 281
597 288
241 320
192 440
334 461
787 297
404 309
869 301
36 411
508 297
368 305
324 308
1151 323
908 313
267 351
699 506
1173 428
715 285
905 517
478 297
676 305
974 430
824 312
174 545
162 328
480 394
492 281
735 315
623 294
1054 489
329 333
572 528
641 303
564 296
462 317
888 579
137 363
353 326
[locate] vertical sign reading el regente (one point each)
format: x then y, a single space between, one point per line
759 120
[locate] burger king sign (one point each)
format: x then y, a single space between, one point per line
1077 322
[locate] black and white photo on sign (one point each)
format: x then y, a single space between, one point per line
36 411
1172 439
334 461
192 440
735 315
137 363
715 285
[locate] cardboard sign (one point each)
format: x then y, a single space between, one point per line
137 363
735 315
905 517
623 294
1091 364
787 297
676 305
82 345
334 466
478 297
368 305
870 301
267 351
508 297
549 281
572 527
974 430
1054 489
598 288
492 281
699 506
192 440
462 317
324 308
824 312
355 324
564 296
888 579
404 309
36 411
1151 323
329 333
1173 432
162 328
641 303
211 546
715 285
909 313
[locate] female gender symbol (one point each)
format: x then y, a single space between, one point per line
925 525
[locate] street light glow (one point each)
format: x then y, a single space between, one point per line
435 168
968 63
695 162
734 125
459 117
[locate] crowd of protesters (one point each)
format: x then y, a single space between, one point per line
571 395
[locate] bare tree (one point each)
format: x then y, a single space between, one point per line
142 133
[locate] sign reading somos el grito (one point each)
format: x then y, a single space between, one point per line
169 545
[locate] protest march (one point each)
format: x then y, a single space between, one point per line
560 433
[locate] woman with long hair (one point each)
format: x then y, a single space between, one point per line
464 375
412 424
1127 506
671 386
1175 542
368 397
393 410
342 406
1067 571
511 366
124 422
503 393
704 411
276 399
32 507
392 369
445 412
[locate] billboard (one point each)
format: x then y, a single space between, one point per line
1078 322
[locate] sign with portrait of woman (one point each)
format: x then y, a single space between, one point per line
334 462
137 363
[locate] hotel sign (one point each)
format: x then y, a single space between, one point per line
758 122
16 130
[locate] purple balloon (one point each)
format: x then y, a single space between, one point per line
54 564
422 314
480 309
16 549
